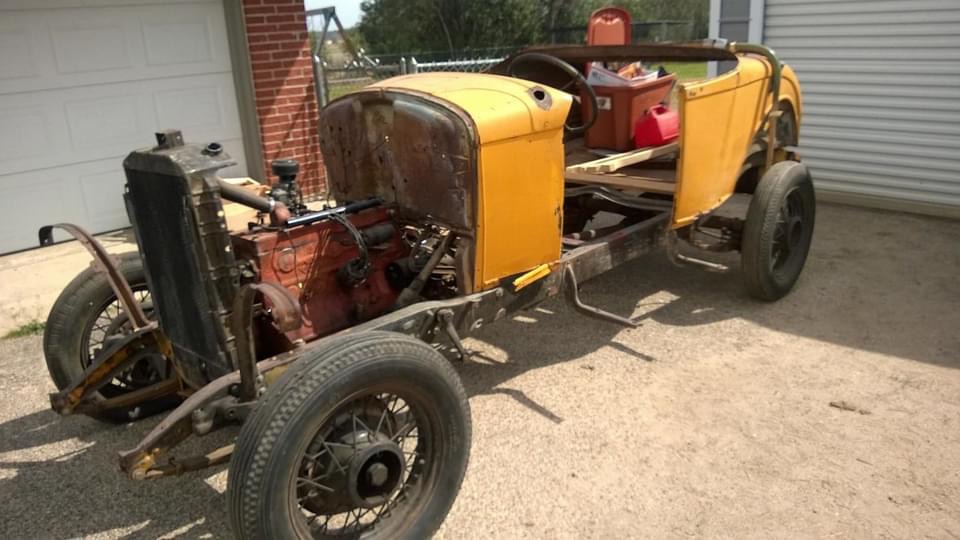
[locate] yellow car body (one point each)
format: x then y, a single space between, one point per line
514 128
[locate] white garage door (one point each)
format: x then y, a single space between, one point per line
82 83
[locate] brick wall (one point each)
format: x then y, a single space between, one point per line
283 82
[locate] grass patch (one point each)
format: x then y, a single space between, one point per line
31 328
686 70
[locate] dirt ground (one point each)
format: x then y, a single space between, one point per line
713 419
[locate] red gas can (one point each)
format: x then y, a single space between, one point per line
658 126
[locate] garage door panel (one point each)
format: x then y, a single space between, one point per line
50 129
197 108
91 46
34 200
25 133
89 194
81 47
179 38
100 190
84 82
16 60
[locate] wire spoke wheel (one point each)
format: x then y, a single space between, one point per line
366 436
112 323
85 321
360 467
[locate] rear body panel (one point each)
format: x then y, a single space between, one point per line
719 120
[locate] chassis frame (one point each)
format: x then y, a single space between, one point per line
230 398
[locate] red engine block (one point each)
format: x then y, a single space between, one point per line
306 260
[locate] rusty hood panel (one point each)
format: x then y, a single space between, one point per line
411 149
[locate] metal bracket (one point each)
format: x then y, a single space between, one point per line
105 263
445 316
110 363
678 258
286 313
141 462
573 297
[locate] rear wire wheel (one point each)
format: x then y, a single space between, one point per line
778 231
368 436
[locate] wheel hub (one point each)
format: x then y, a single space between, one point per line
375 473
361 466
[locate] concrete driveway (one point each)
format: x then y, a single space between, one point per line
712 420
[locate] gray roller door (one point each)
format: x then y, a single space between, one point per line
881 90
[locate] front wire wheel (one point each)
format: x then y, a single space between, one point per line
86 319
368 436
363 462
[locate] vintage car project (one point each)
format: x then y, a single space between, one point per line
461 199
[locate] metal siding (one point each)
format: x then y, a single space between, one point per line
881 89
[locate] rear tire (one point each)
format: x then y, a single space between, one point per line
778 231
72 321
299 462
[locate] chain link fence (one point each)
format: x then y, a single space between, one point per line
340 68
333 82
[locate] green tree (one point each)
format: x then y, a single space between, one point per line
451 25
411 26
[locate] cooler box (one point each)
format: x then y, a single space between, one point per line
620 107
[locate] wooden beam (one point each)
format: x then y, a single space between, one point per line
618 161
650 184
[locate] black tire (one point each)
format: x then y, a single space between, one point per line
778 231
264 490
67 335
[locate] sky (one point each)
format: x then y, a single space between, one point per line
347 10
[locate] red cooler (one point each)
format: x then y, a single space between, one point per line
620 109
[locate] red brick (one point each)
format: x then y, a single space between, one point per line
261 28
266 46
292 26
282 18
275 129
260 10
262 83
290 39
276 119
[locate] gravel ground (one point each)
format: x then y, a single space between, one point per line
713 419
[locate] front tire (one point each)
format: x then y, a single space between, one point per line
369 435
778 231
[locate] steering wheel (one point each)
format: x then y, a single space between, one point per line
575 77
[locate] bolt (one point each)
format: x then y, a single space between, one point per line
377 474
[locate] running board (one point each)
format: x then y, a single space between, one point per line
573 297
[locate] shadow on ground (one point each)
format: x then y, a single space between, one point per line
876 281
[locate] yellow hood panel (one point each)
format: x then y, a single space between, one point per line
501 107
